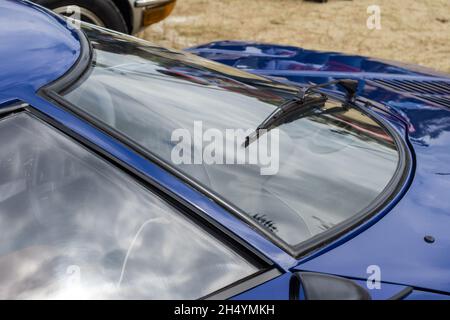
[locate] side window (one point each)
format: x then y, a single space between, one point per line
74 226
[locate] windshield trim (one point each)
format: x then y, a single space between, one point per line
75 73
54 91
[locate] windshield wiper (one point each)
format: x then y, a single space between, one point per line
307 102
289 111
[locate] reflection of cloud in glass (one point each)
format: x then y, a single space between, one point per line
331 167
76 210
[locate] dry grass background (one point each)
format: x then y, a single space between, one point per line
416 31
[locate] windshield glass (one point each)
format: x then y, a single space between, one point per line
323 168
72 226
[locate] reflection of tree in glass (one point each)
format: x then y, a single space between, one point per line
348 126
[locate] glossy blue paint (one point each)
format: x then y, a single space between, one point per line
36 47
41 48
421 98
396 243
385 292
280 60
278 289
275 289
423 295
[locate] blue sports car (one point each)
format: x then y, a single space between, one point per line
131 171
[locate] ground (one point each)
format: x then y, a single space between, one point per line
415 31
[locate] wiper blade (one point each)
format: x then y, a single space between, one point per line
289 111
307 102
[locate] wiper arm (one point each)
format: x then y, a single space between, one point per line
350 86
294 108
302 105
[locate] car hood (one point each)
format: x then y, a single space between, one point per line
397 242
418 96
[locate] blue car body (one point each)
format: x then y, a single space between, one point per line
38 48
420 98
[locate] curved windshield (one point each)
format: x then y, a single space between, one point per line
316 169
